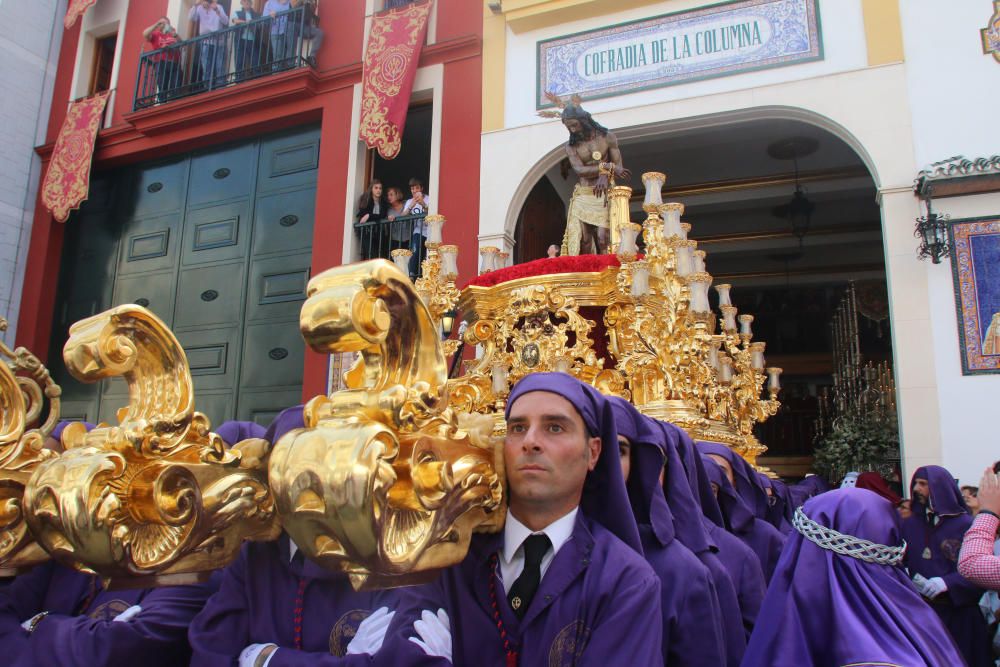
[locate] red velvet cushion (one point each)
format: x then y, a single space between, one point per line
545 266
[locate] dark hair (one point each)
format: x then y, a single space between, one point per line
398 191
590 126
996 468
973 490
416 181
366 198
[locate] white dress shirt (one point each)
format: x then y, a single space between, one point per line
515 533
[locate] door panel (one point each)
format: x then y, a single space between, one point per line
216 233
218 244
209 295
273 355
288 161
149 245
222 174
278 287
284 222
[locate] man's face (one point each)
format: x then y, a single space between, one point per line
547 452
573 125
921 491
625 455
724 464
416 190
246 4
206 3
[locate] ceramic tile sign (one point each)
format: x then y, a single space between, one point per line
975 262
719 40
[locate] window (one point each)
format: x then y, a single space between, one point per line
104 59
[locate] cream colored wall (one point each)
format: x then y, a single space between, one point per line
867 107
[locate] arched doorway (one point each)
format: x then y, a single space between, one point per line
736 177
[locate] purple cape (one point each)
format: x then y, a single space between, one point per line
263 592
759 535
593 607
825 609
776 513
695 629
233 431
79 628
809 487
725 555
605 499
746 479
958 607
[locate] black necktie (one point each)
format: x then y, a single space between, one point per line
525 586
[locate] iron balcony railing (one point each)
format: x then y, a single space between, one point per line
222 58
381 237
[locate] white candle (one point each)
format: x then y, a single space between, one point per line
626 245
449 261
757 355
728 318
685 230
434 225
699 261
725 369
401 257
640 278
745 321
672 219
653 181
723 290
774 383
699 283
499 378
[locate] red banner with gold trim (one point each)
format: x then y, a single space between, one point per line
390 67
75 10
67 181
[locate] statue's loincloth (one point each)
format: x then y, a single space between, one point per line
584 208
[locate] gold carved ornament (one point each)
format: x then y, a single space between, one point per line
386 482
25 385
157 498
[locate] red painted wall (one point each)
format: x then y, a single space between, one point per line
264 106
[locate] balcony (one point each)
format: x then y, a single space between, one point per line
381 237
215 60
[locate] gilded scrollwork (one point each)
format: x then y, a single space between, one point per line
158 496
385 482
25 388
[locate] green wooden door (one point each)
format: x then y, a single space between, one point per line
218 245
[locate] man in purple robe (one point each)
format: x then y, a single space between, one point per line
564 583
739 560
276 608
778 515
811 486
54 616
934 533
696 628
840 597
763 538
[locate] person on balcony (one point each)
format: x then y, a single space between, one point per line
419 203
210 18
373 207
166 64
247 44
282 34
310 28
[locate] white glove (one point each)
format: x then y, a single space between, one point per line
128 614
920 581
371 632
249 655
934 587
435 634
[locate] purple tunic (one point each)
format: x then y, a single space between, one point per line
763 538
746 479
694 626
736 571
958 607
594 602
79 629
257 602
743 568
809 487
61 426
233 431
592 607
827 610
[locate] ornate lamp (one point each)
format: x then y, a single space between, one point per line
798 211
932 230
